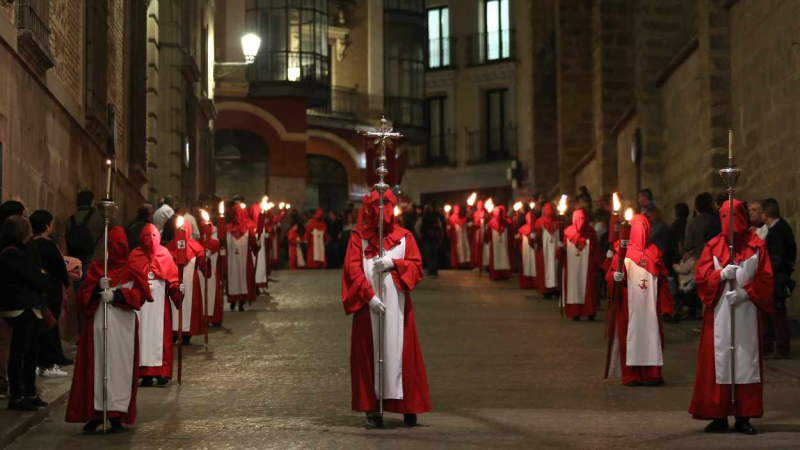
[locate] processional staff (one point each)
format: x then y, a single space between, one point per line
109 208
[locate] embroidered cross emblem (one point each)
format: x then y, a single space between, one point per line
236 251
643 284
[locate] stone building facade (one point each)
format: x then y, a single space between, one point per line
670 77
76 87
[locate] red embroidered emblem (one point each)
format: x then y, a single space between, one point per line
643 284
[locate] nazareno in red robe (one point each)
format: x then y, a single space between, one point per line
526 282
274 224
711 400
650 260
479 223
456 220
212 246
80 407
356 294
240 226
152 256
580 233
317 223
193 250
502 225
292 237
546 222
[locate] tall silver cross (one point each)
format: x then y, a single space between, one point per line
383 134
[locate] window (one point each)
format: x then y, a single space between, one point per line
436 125
438 37
497 124
96 66
498 36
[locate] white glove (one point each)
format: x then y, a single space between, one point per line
610 254
618 276
729 272
207 254
107 296
516 236
736 296
182 288
533 236
299 240
560 244
104 283
223 252
377 306
384 264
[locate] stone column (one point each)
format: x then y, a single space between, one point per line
152 99
376 50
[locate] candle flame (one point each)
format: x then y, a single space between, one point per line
562 205
532 205
179 222
447 208
472 198
270 205
205 215
222 208
264 203
517 206
617 204
628 214
489 205
242 205
397 211
108 162
281 205
288 206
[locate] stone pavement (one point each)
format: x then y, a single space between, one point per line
504 371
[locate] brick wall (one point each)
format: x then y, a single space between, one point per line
8 12
66 44
589 176
626 170
116 74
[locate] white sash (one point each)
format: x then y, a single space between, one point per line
500 260
151 326
393 329
319 245
186 305
121 349
528 258
549 246
238 252
211 298
261 265
577 267
462 245
643 344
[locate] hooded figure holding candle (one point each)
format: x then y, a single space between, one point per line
480 220
242 248
316 236
192 307
460 251
258 214
638 338
547 236
497 237
750 297
582 259
526 236
214 270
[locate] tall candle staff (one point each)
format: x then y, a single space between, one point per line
624 236
730 175
383 135
206 230
181 259
562 210
109 208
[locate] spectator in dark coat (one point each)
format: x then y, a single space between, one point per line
144 215
782 250
675 237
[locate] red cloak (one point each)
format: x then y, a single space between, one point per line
526 282
580 234
479 222
456 220
193 250
546 222
501 224
292 238
356 294
317 223
240 226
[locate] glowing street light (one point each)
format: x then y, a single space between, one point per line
250 45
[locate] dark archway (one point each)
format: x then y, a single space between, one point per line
241 161
326 184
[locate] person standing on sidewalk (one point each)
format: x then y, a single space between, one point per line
782 250
21 306
432 232
7 209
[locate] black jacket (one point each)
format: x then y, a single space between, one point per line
22 279
46 253
782 253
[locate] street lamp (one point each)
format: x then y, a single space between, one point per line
251 42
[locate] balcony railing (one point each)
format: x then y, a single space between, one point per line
491 47
346 103
414 6
406 111
497 144
441 53
34 33
440 151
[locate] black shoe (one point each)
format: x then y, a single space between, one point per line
38 401
146 382
91 426
22 404
187 340
116 426
233 306
374 420
591 318
653 383
241 306
65 362
162 381
717 426
576 319
410 420
743 426
634 384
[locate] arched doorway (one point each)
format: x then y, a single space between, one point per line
241 164
326 184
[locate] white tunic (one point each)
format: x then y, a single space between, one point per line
211 296
186 304
528 258
500 259
393 329
121 349
462 245
577 267
238 252
319 245
151 326
549 246
643 344
746 338
261 262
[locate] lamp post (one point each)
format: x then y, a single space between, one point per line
251 42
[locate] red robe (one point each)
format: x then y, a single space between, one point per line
546 222
356 294
152 256
262 269
81 406
193 250
579 234
651 258
711 400
454 220
274 223
240 226
292 237
501 224
479 222
212 246
317 223
526 282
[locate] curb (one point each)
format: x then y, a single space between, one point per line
54 397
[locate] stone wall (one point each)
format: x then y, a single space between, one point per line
589 176
66 45
626 170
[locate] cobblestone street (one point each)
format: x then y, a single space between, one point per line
504 371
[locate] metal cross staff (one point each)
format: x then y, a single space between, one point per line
108 207
383 135
730 175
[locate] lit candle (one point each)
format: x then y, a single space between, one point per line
396 211
489 205
108 178
628 214
532 205
617 203
517 206
221 227
447 209
288 206
730 144
206 228
562 205
472 198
